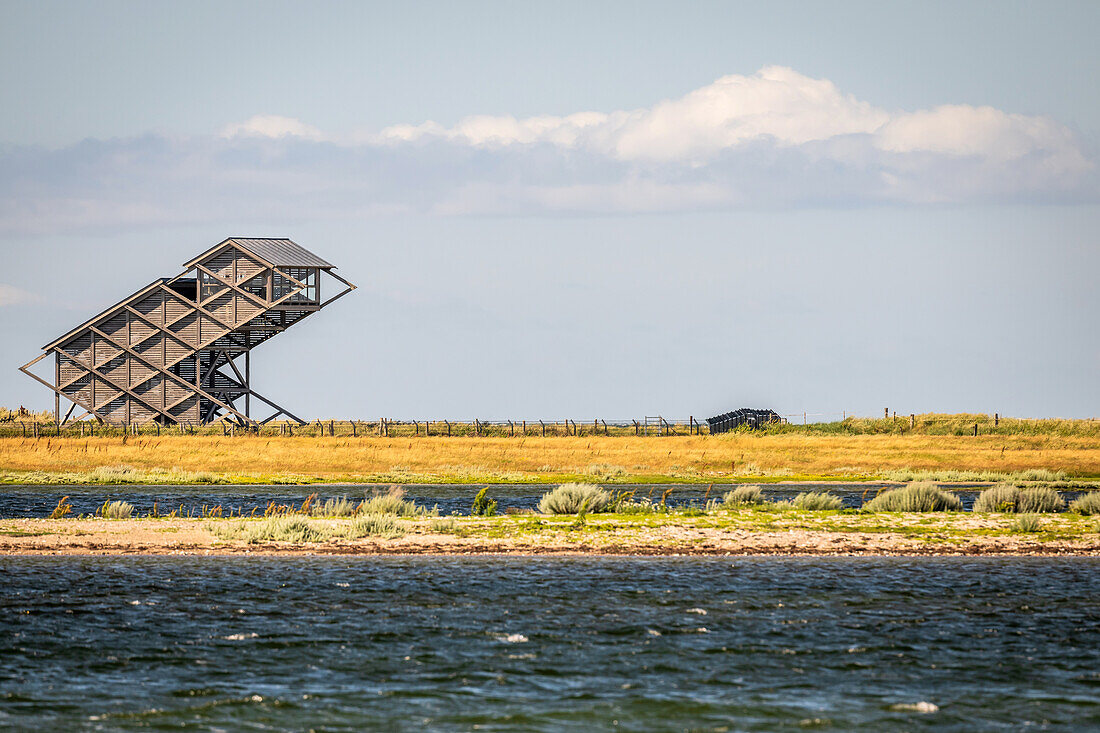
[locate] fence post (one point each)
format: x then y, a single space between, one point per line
427 427
512 428
996 419
886 413
605 431
975 430
543 428
525 428
635 427
448 427
912 421
23 425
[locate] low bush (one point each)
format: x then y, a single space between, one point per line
999 498
371 525
483 506
743 496
573 498
923 496
116 510
1086 503
1040 500
300 529
814 501
1008 499
1026 523
342 507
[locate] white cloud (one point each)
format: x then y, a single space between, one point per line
773 138
775 104
11 295
272 126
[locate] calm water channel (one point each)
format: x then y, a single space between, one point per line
39 501
549 644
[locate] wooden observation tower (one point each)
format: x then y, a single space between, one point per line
178 350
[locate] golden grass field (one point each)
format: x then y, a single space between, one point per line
741 456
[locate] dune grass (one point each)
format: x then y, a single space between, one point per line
923 496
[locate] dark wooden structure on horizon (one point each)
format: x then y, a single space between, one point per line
178 350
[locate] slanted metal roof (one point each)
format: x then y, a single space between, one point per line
280 252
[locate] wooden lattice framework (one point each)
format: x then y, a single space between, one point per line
178 350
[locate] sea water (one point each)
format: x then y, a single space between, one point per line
508 643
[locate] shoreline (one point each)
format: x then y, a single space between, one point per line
737 534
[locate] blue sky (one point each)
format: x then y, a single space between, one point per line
583 210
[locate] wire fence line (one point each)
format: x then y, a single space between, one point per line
384 427
36 426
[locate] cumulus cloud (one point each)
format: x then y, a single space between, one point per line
773 138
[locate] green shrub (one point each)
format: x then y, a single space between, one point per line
1008 498
923 496
1026 523
342 507
1037 499
573 498
743 496
483 506
277 529
814 501
371 525
116 510
1086 503
999 498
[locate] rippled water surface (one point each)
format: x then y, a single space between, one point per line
549 644
39 501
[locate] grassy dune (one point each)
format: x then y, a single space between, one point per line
785 454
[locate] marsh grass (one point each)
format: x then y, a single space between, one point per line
923 496
393 502
63 508
743 496
814 501
802 451
115 510
1086 504
962 476
574 499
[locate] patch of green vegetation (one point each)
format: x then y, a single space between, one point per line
575 499
922 496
